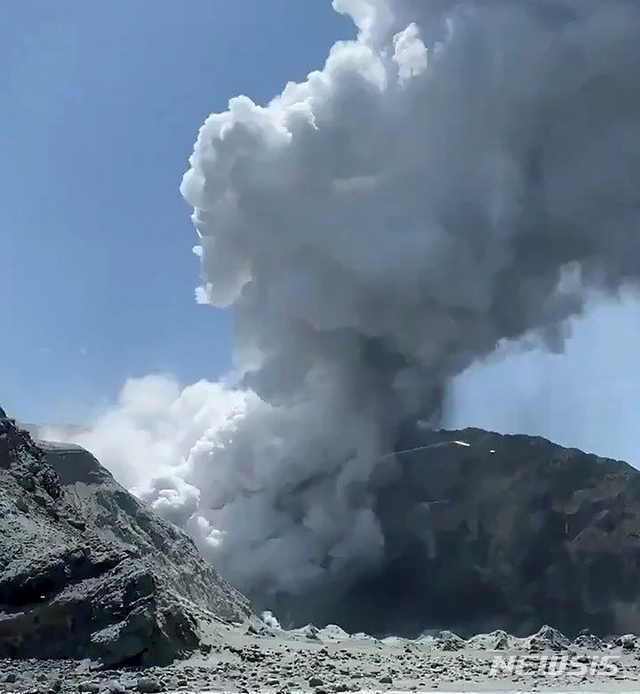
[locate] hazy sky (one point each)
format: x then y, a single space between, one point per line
101 105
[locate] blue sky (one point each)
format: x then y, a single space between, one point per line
101 105
102 102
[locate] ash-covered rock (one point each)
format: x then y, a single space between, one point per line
585 639
86 571
497 640
547 638
627 641
448 641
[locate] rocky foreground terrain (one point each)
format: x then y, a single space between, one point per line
268 659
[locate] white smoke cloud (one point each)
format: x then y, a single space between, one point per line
149 433
270 620
455 178
410 54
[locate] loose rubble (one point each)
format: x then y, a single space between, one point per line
329 661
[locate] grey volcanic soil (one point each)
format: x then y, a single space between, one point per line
329 660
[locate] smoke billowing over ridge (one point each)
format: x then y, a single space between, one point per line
461 174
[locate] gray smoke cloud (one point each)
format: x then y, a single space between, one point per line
461 175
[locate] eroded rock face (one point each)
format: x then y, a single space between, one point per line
524 533
86 571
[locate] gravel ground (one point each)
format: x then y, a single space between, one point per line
326 661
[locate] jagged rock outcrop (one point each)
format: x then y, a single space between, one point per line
87 571
524 533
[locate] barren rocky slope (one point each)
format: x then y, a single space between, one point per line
508 532
86 571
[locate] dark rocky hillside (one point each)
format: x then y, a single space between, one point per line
86 571
522 533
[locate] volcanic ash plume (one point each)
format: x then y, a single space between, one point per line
459 175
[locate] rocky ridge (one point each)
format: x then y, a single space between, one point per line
86 571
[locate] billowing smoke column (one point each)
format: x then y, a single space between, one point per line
459 175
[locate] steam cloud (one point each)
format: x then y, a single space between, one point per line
461 175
